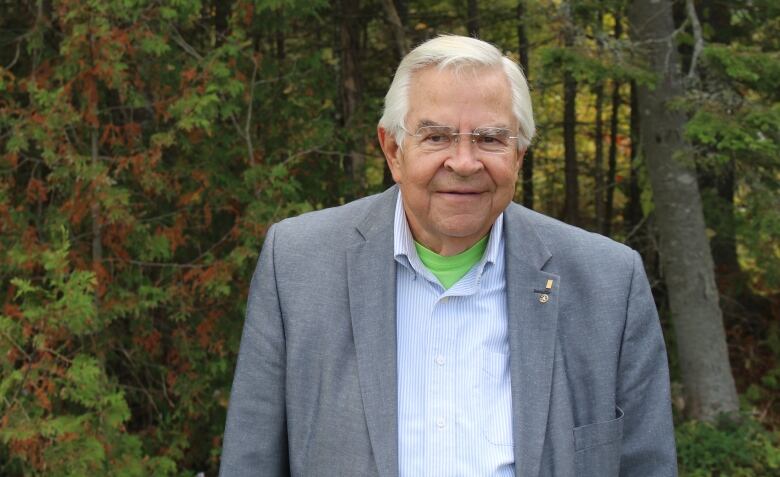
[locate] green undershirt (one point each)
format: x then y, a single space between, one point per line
451 269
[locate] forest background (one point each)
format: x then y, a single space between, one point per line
146 147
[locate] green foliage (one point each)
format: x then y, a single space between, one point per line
592 66
735 124
62 414
145 148
749 66
734 448
142 157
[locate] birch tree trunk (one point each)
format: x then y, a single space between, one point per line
686 259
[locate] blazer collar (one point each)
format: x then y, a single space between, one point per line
371 288
533 322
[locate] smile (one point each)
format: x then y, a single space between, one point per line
460 195
461 192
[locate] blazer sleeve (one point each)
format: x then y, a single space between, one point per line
643 389
255 440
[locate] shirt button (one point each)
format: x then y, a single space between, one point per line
445 299
440 360
440 422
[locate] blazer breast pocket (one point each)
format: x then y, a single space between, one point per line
597 447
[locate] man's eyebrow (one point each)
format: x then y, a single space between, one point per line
495 126
428 122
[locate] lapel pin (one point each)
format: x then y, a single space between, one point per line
544 295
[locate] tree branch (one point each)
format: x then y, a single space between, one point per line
698 44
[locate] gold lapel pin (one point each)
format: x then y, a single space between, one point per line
544 295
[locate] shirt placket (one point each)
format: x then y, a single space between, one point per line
441 409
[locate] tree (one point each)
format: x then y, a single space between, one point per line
522 47
685 252
472 20
571 208
351 85
609 205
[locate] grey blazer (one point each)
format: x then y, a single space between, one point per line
315 389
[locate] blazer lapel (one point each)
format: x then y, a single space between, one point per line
532 333
371 283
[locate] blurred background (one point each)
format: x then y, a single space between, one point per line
147 146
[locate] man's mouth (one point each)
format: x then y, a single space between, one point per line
461 192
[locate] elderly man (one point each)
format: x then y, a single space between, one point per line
438 329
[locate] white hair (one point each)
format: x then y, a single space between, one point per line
456 52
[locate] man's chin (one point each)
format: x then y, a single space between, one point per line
471 227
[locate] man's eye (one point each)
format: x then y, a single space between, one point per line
492 139
437 138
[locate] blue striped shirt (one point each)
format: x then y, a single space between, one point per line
454 393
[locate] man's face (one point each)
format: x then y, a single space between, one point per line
453 196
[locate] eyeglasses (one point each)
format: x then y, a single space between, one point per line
438 138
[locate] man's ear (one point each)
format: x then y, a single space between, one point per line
392 151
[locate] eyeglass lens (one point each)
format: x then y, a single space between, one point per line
438 138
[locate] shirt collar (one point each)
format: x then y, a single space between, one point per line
405 253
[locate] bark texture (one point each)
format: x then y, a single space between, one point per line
686 259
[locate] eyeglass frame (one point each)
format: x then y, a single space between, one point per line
454 136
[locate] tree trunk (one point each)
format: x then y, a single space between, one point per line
685 251
97 227
396 28
221 19
528 160
351 85
609 206
598 166
281 51
571 213
632 215
403 10
395 11
472 22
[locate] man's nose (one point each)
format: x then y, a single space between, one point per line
463 159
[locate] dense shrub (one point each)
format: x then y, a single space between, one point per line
735 448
